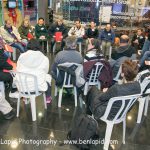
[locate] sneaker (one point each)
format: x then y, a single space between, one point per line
14 95
48 100
10 115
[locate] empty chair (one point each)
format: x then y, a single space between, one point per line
126 103
92 78
66 84
27 86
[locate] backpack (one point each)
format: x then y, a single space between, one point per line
85 128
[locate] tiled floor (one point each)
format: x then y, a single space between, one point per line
54 124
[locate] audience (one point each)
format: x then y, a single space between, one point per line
34 62
58 26
138 40
123 52
78 31
69 54
41 32
10 34
25 30
107 37
91 33
5 66
101 99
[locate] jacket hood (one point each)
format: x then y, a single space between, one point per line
32 59
123 48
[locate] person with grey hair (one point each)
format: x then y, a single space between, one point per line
69 54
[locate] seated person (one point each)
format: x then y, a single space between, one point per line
69 54
11 35
144 61
6 109
146 46
93 53
25 30
107 37
101 99
58 27
34 62
41 33
5 66
91 33
123 52
78 31
138 40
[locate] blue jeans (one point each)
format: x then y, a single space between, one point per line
19 47
144 57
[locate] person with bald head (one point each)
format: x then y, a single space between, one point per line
123 52
107 37
58 26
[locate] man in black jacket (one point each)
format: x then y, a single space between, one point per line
58 26
138 40
97 101
124 51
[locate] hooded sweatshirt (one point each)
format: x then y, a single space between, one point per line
36 63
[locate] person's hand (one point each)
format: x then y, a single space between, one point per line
14 66
147 62
105 90
15 40
29 39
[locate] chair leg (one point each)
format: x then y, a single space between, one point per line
86 88
80 48
108 133
141 108
33 108
124 131
146 106
14 53
44 97
47 47
75 96
56 90
18 106
99 85
60 97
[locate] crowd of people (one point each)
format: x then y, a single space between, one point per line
130 53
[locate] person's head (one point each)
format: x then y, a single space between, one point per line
129 70
92 24
41 21
26 23
60 21
78 23
139 32
34 45
8 23
124 40
108 27
71 42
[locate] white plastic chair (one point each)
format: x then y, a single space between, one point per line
118 74
80 47
127 103
93 77
27 86
66 84
2 89
143 101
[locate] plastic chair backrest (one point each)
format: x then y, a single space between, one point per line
94 74
26 83
126 103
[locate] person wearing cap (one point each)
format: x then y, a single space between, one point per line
123 52
58 26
